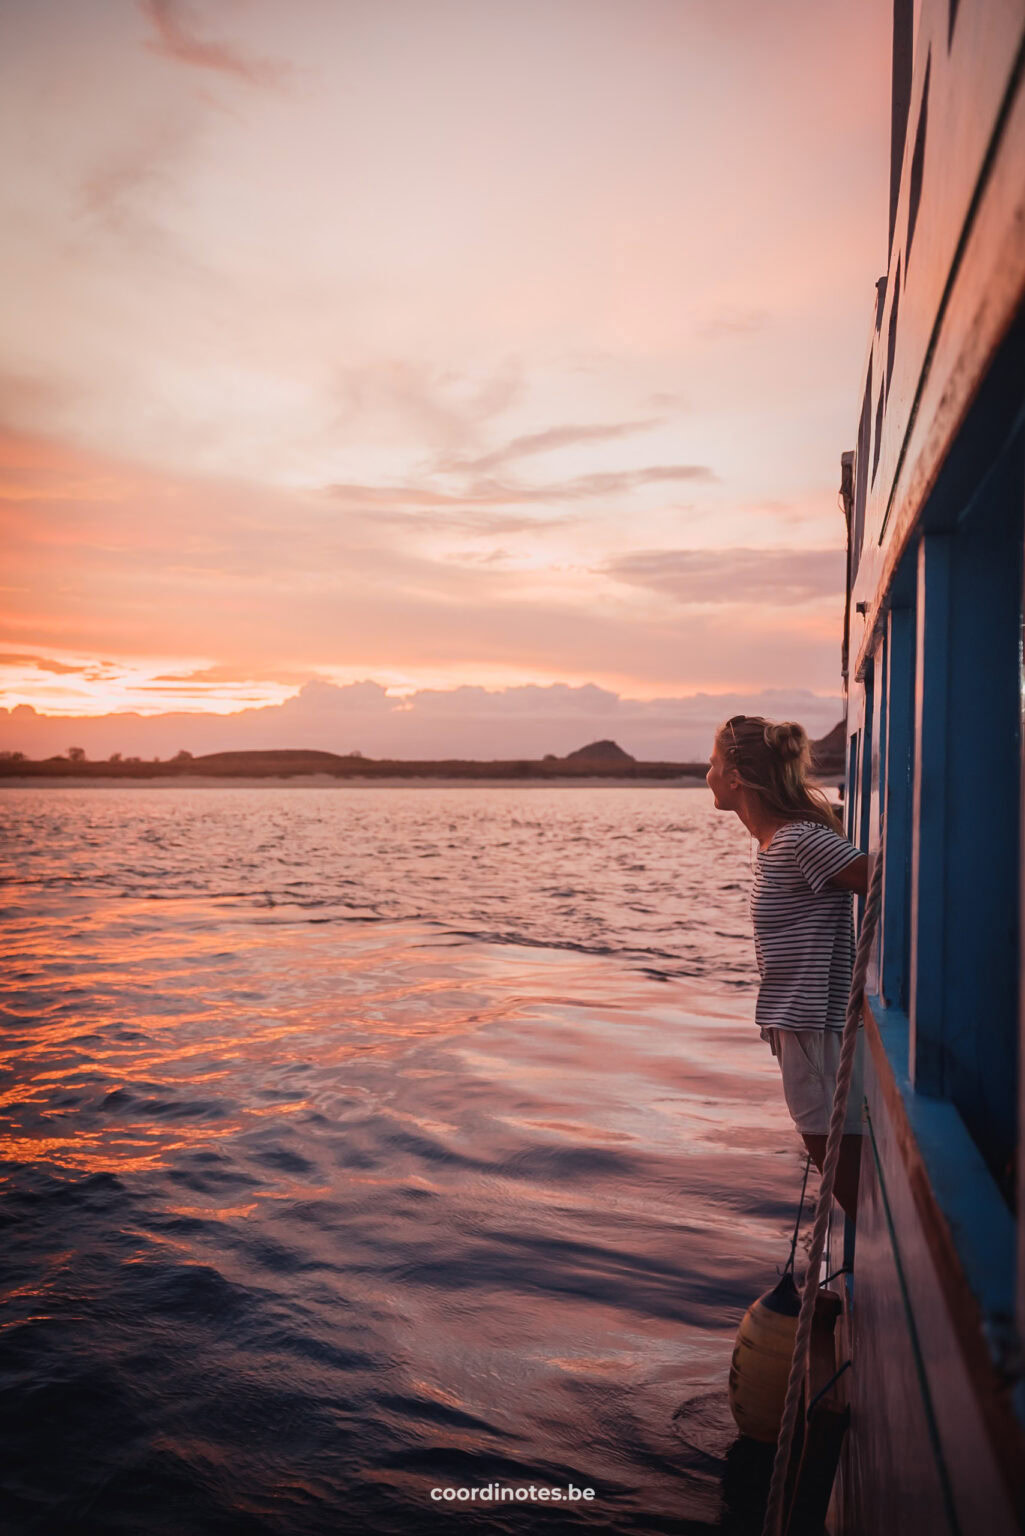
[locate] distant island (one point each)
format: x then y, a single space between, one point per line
600 759
597 760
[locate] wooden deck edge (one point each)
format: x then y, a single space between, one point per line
994 1391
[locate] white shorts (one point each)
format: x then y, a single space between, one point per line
808 1059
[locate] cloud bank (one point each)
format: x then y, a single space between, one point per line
465 722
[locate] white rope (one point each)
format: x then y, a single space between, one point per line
773 1525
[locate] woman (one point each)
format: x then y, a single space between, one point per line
801 911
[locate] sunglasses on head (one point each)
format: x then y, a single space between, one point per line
734 721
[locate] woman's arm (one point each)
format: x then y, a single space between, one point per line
854 877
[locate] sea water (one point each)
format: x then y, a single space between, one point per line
370 1154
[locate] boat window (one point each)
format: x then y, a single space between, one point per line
891 340
897 775
862 834
917 166
864 830
879 733
902 60
861 475
851 797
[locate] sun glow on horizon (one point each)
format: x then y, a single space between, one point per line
84 690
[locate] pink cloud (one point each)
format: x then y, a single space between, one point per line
274 585
177 38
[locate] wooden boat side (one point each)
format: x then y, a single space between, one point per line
962 265
922 1323
934 495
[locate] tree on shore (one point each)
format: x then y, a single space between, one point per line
76 754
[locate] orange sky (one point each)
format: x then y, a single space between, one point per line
439 343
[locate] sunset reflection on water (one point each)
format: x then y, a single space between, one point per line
306 1214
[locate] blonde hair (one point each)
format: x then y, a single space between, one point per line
775 762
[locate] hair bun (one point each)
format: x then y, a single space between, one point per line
787 739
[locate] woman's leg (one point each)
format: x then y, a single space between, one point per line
848 1169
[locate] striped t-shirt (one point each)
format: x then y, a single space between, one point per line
804 932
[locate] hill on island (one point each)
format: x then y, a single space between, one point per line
600 754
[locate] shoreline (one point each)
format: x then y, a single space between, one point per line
334 781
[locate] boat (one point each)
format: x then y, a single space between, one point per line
933 492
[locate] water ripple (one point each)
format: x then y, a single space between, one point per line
327 1182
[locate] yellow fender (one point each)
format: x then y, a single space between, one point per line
761 1361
